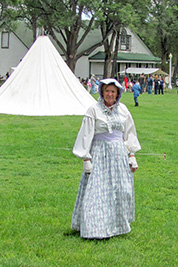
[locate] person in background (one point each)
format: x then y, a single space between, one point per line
130 84
97 84
177 85
93 80
125 81
141 81
150 84
107 142
161 89
156 84
84 83
136 90
89 85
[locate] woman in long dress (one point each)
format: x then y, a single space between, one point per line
107 142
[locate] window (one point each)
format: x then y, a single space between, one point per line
5 40
128 42
125 40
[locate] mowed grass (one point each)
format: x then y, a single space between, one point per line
39 178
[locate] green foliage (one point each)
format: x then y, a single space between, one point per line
159 31
39 178
7 14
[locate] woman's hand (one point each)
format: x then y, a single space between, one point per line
133 169
133 163
87 166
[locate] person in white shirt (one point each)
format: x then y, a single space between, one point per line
107 142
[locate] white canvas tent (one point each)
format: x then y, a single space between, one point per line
143 70
43 85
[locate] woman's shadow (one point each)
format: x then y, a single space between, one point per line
71 233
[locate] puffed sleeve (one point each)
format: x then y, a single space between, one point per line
130 135
84 138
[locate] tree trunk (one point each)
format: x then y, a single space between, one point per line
107 66
175 74
164 47
34 27
70 52
114 63
71 49
108 55
71 62
164 65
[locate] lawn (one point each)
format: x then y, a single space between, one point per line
39 178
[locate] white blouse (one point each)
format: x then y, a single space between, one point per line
100 119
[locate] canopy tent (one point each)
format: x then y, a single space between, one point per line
146 71
161 72
43 85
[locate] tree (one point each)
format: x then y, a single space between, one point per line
7 14
31 12
159 31
25 10
115 15
3 7
174 37
163 18
63 21
107 27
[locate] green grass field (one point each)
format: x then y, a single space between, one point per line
39 178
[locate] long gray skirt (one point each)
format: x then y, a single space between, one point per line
105 204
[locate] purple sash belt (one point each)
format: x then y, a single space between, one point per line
114 136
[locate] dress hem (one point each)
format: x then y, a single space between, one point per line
104 237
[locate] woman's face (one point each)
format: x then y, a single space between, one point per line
110 94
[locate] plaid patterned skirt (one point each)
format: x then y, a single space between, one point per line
105 204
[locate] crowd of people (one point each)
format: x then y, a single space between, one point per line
91 85
147 84
150 84
136 85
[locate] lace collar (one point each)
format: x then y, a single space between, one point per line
107 110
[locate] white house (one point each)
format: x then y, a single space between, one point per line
132 52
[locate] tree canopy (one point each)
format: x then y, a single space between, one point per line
154 20
160 31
